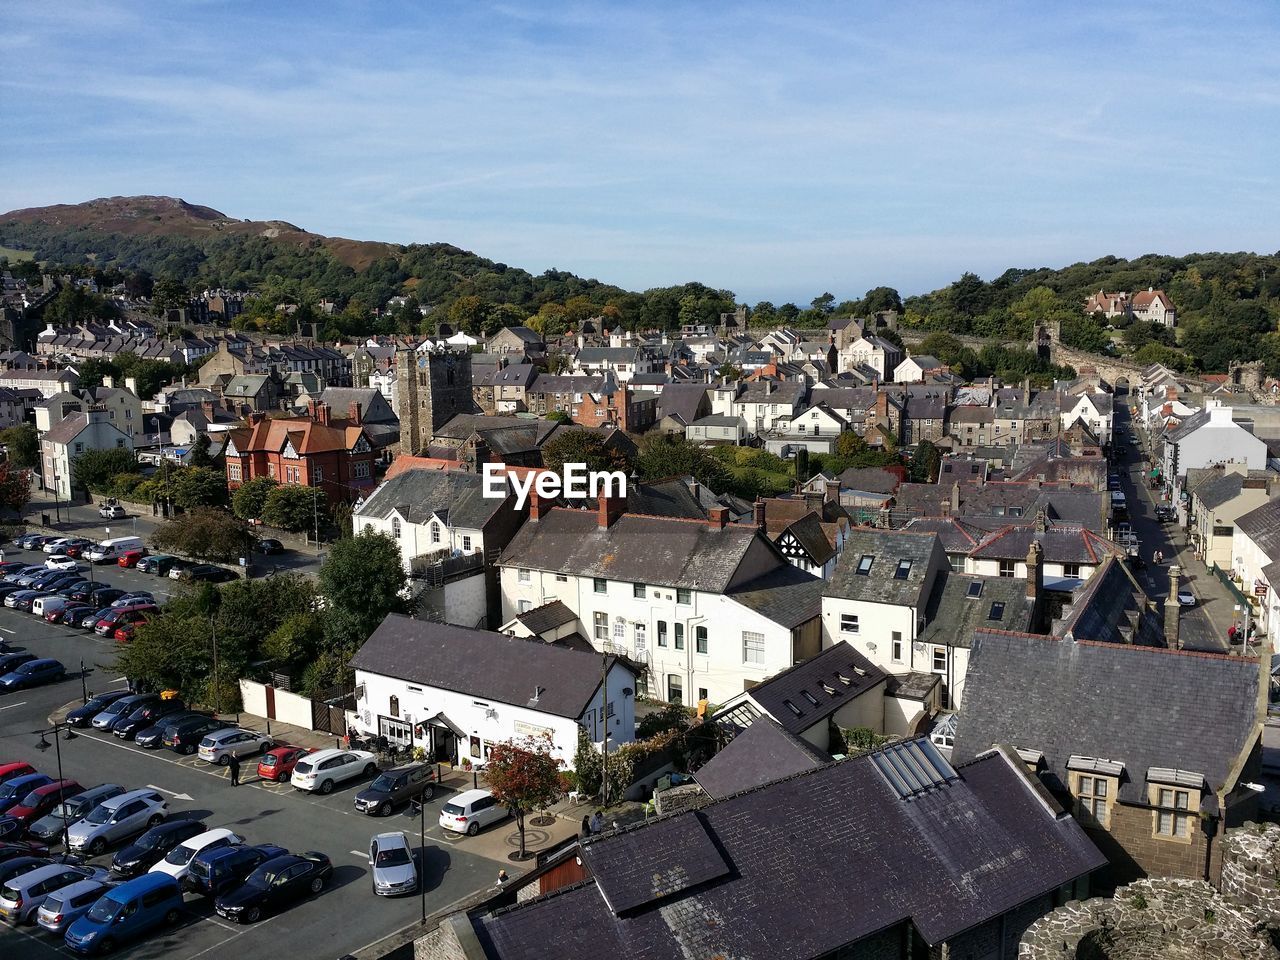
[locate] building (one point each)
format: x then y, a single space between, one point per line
1255 550
916 369
1153 306
1207 438
48 382
1110 305
456 692
1152 775
761 403
718 431
71 436
872 353
1218 497
433 386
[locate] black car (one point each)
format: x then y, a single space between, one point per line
268 546
9 566
80 716
19 865
11 828
73 613
21 848
149 738
105 596
392 787
8 588
30 596
276 884
146 716
208 573
185 737
222 869
11 661
150 848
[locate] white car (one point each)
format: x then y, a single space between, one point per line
53 545
323 770
1185 597
219 746
63 563
471 811
177 862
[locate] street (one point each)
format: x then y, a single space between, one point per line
342 919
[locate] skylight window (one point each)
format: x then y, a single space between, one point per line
903 571
809 696
792 707
997 611
975 590
864 564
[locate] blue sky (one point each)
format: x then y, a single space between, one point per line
779 150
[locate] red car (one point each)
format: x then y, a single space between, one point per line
124 634
131 558
43 799
278 764
10 770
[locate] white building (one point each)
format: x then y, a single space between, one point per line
456 692
1093 409
1207 438
815 429
75 434
717 431
873 353
761 403
915 369
1255 548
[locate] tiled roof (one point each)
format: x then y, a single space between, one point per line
760 754
1145 706
683 401
811 691
66 429
1061 542
549 616
881 583
418 494
809 534
1262 526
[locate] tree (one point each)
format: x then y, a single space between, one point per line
802 464
559 416
21 445
523 775
580 446
823 303
362 581
205 534
925 463
194 487
671 455
15 486
200 456
249 498
94 469
295 508
878 299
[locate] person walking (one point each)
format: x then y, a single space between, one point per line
597 823
586 828
233 764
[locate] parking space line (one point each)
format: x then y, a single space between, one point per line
217 946
357 853
10 706
7 630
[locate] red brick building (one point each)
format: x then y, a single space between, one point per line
310 451
623 408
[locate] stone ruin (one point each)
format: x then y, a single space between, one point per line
1176 919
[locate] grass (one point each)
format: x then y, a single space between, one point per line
16 256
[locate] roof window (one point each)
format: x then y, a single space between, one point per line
903 571
864 564
792 707
975 590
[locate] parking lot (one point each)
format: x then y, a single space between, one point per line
342 919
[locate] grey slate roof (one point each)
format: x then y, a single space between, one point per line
760 754
880 585
1219 489
1061 542
1142 706
953 615
780 866
1262 526
786 595
547 617
834 678
1111 607
67 429
809 534
483 664
458 498
870 480
683 401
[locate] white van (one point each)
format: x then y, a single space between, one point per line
109 551
43 606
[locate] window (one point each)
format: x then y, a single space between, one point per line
939 659
474 746
662 632
600 624
684 596
903 571
619 629
79 448
599 585
1174 820
997 610
562 578
1071 571
675 688
360 470
318 473
864 565
752 647
395 527
641 636
1015 511
522 575
466 545
233 471
896 652
679 636
637 591
1092 799
1007 568
523 606
702 693
848 623
120 442
975 590
435 533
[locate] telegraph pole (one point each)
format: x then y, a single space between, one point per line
604 720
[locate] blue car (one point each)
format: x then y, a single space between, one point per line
33 673
11 791
126 913
11 661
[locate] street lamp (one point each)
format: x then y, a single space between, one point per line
42 746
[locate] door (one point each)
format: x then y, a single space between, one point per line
445 745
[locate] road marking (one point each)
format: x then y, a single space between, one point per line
10 706
239 933
176 796
357 853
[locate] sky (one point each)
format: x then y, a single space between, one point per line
778 150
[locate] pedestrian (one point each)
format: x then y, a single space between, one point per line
586 827
233 764
502 878
1231 633
597 822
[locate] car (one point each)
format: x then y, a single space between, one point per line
9 566
72 587
77 547
124 633
185 737
152 738
126 913
49 546
31 541
50 827
147 715
40 800
221 745
157 563
105 596
325 769
150 848
277 764
64 907
130 558
119 818
83 715
392 787
392 865
33 673
1186 598
91 621
71 614
11 828
11 771
471 811
15 788
21 599
9 849
112 511
134 598
15 576
268 546
45 607
17 866
179 566
119 616
122 708
208 573
22 895
215 871
177 862
276 884
68 564
11 661
1164 513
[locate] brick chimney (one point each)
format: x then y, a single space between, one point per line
538 508
322 413
831 491
109 382
759 512
718 518
207 408
1035 574
609 509
1172 610
256 418
354 412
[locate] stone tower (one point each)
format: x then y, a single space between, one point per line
433 386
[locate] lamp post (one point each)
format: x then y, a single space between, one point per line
42 746
84 687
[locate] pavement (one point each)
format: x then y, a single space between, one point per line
345 918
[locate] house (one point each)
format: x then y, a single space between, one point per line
814 429
1069 552
1094 410
951 862
680 404
622 361
873 353
253 392
1152 775
48 382
764 752
717 431
71 436
1255 549
761 403
924 417
1206 438
708 608
520 341
15 405
55 408
916 369
1110 305
456 692
508 387
1153 306
1218 497
805 544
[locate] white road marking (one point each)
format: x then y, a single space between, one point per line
217 946
10 706
176 796
357 853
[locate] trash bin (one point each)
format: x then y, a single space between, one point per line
44 520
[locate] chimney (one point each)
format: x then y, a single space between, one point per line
695 488
354 411
256 418
109 382
1035 576
768 387
322 413
609 509
1172 610
538 508
1026 390
206 407
1041 523
718 517
759 513
482 454
131 384
831 491
955 498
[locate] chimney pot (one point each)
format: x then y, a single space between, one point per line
609 509
759 510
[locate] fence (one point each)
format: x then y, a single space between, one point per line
263 700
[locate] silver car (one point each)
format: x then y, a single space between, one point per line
64 907
49 827
117 819
22 896
391 862
221 745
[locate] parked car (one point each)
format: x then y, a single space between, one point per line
112 511
11 771
77 547
33 673
277 764
122 708
124 634
1165 513
152 846
52 544
17 866
82 716
11 828
221 745
15 788
45 607
71 614
471 811
1185 597
393 787
9 566
220 870
31 541
10 849
49 828
104 596
130 558
276 884
325 769
12 661
151 738
177 862
147 715
64 907
134 599
126 913
392 866
67 564
26 572
157 563
21 896
208 573
91 621
21 599
179 566
119 616
185 737
119 818
268 546
40 800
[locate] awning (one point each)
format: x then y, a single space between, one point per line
442 721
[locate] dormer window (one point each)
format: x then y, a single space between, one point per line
864 564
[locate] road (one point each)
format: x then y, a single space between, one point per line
341 920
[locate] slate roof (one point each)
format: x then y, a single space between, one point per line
881 585
786 595
245 385
683 401
1219 489
870 479
549 616
817 679
1262 526
515 374
457 498
771 391
482 664
1061 543
1111 607
1145 707
810 535
956 535
953 614
67 429
771 873
760 754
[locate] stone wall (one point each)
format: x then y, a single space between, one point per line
1251 870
